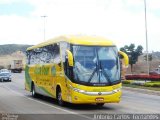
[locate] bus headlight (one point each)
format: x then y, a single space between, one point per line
96 93
78 90
117 90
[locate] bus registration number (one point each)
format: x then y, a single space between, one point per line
99 99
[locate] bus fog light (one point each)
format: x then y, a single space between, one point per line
75 97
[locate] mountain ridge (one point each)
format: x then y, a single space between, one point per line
8 49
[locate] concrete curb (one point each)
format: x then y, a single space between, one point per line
145 91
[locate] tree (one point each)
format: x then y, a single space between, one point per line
133 53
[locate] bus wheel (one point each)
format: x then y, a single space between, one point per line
100 104
59 97
34 94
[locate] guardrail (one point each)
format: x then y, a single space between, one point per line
143 77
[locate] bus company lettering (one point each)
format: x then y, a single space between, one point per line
43 70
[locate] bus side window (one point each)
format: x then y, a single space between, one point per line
65 46
33 57
56 53
28 54
66 66
68 69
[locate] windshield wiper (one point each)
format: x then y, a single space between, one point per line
95 70
106 76
105 73
99 70
92 75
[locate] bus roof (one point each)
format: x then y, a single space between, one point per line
78 40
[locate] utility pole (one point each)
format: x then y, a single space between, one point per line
146 35
44 17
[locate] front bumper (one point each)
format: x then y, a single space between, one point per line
80 98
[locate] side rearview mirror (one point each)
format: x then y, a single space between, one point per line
125 56
70 58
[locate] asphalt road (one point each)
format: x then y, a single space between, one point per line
16 101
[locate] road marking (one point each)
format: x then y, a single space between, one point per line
48 104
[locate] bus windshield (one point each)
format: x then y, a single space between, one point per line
96 65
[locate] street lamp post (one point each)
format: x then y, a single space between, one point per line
146 35
44 17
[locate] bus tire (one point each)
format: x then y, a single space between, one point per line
34 94
100 104
59 96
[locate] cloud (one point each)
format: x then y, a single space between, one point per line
9 1
116 20
153 4
18 29
20 8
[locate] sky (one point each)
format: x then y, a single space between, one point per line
119 20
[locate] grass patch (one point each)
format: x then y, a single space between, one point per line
142 87
127 81
152 84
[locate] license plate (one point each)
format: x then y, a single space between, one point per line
99 99
5 78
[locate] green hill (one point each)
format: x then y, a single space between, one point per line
8 49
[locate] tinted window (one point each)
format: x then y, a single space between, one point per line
46 54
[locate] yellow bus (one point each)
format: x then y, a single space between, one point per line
75 69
